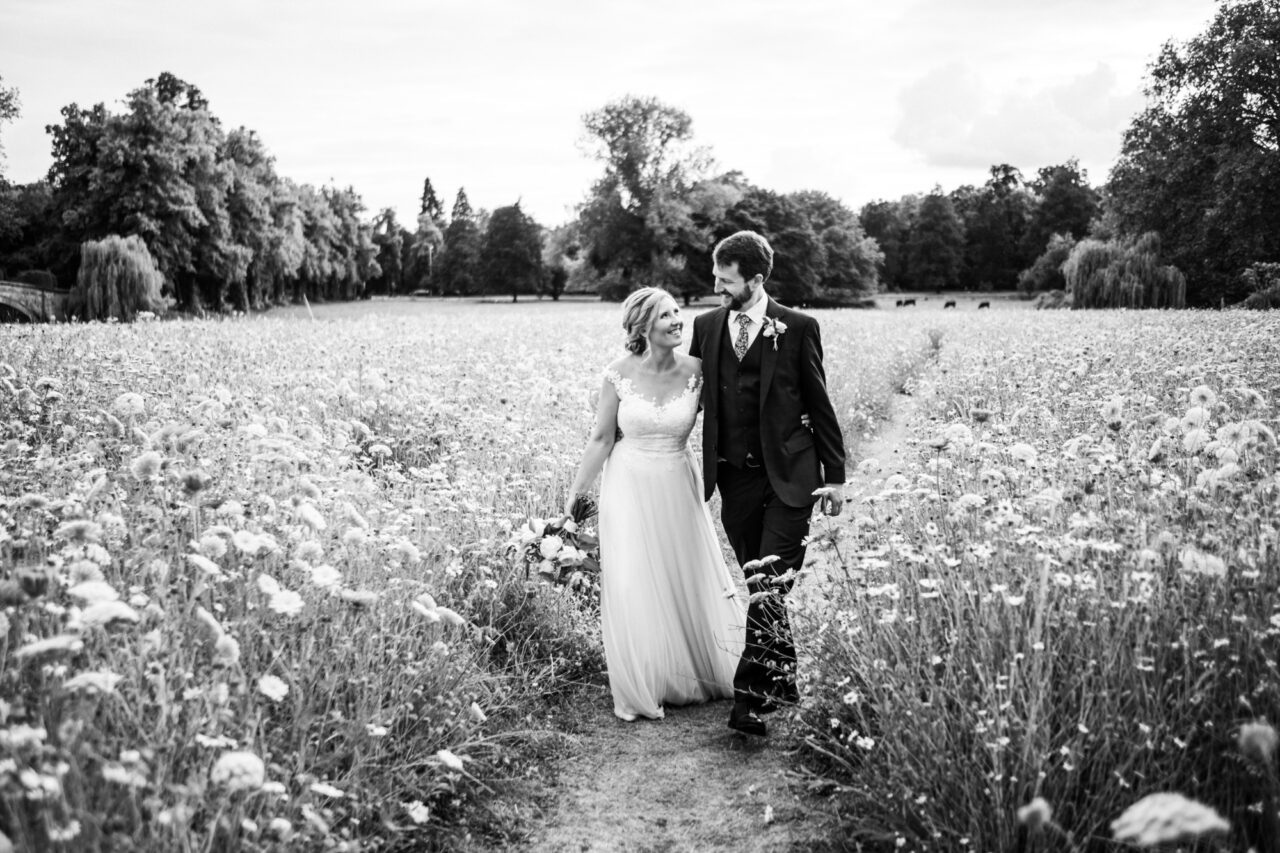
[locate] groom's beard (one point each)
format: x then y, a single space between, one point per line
736 301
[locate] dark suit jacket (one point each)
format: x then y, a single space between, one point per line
792 382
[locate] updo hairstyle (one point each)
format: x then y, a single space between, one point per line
637 316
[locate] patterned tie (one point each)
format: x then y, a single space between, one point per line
740 343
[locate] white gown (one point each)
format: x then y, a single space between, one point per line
673 624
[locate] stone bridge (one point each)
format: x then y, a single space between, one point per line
32 302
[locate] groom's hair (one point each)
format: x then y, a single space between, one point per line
751 252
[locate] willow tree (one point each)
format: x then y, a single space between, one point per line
1123 274
118 278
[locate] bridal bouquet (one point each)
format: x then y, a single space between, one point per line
560 550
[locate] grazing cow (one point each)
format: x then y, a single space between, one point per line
898 304
950 303
908 302
984 304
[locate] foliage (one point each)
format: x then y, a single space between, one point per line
222 226
29 228
458 270
889 224
561 253
118 279
1068 591
388 236
1262 282
850 257
935 250
431 204
994 219
1201 164
1046 272
10 109
637 221
1123 274
512 253
1065 204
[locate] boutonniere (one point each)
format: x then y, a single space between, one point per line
774 328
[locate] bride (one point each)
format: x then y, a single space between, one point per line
672 621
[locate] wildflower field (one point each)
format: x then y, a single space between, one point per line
260 592
1070 597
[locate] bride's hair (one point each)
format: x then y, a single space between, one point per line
637 316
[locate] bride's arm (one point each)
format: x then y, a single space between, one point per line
599 445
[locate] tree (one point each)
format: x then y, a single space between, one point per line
637 222
512 253
29 229
222 227
154 172
1065 204
935 250
118 278
851 258
458 269
1123 274
994 219
10 109
889 224
424 247
431 205
1046 272
387 236
561 254
1201 164
799 260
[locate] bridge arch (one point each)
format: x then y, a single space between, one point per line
33 302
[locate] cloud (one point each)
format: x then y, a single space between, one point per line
952 118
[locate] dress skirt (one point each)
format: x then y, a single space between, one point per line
673 622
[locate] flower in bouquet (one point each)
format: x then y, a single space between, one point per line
559 551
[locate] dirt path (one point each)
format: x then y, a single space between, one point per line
689 783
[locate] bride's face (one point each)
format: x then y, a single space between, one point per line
667 327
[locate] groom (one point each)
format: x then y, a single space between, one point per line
762 370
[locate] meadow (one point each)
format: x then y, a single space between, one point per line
260 591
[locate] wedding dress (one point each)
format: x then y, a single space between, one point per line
672 621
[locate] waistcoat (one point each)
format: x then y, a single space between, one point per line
739 415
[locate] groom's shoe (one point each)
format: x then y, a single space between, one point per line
743 719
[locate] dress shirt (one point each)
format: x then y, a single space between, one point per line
756 313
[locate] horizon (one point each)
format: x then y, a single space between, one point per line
858 100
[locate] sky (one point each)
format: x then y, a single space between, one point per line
862 99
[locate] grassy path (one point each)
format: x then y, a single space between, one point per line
688 783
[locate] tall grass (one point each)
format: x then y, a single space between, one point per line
255 578
1071 594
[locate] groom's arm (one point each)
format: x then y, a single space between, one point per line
822 415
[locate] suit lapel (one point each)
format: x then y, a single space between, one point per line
768 355
711 359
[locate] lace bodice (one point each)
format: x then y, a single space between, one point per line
654 426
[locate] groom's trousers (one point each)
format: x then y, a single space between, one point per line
758 525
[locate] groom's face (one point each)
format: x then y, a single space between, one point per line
735 293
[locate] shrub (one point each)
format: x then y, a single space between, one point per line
118 278
40 278
1046 272
1263 284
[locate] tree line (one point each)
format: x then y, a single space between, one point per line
1190 214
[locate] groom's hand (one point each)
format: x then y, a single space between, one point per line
831 497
